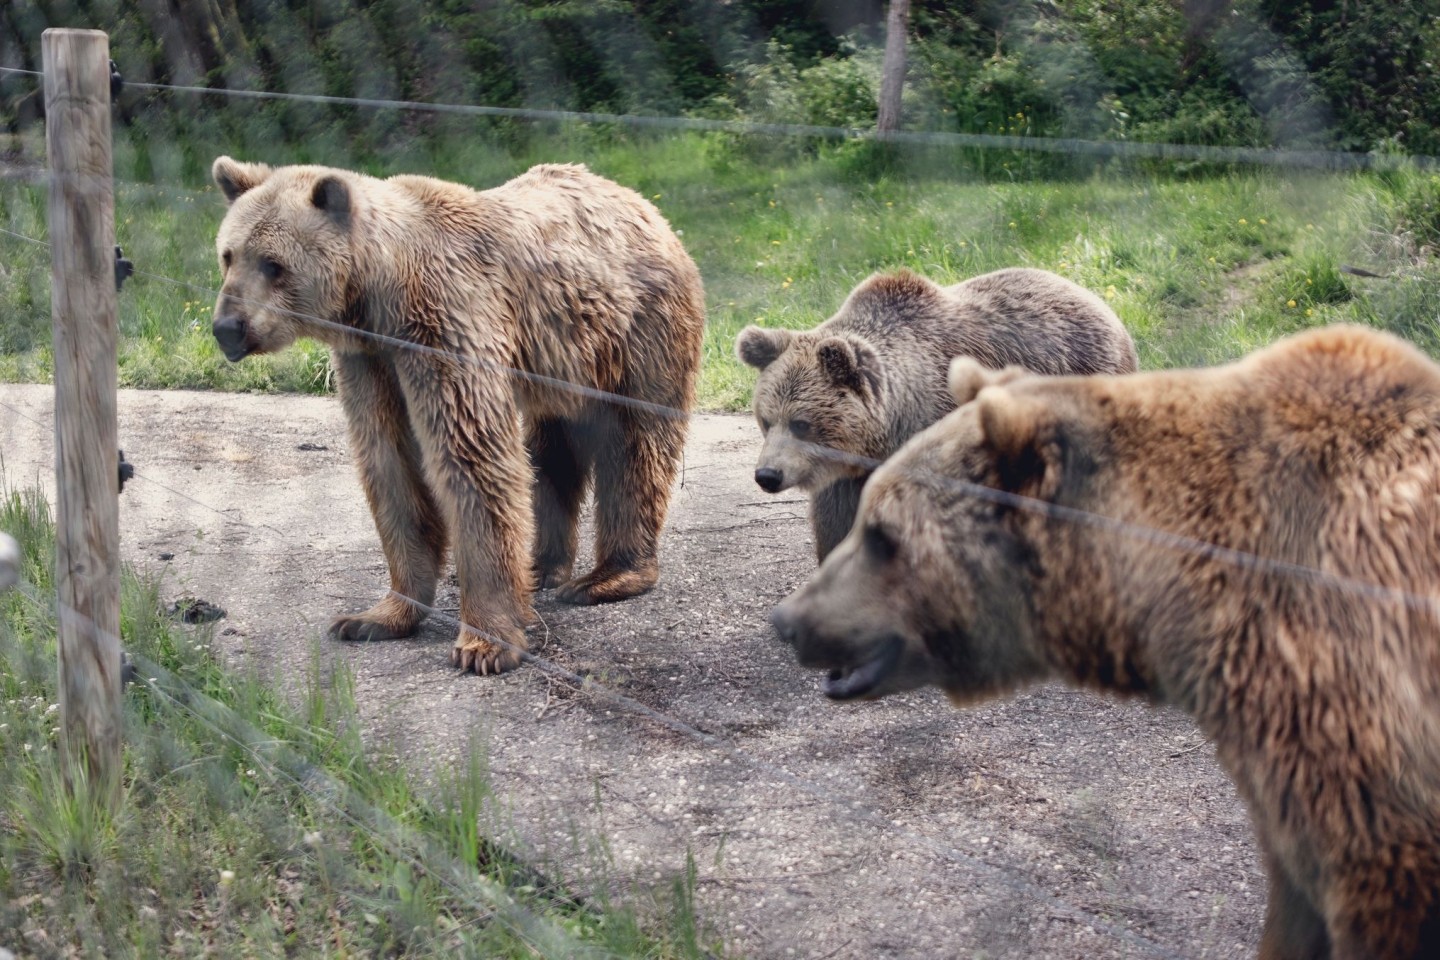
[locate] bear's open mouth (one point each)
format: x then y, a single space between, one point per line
847 683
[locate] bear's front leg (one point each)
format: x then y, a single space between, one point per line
832 513
1293 929
409 522
468 427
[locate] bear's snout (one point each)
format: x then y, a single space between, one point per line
230 332
784 623
796 628
769 479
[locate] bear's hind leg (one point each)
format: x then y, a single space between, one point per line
636 457
411 528
562 471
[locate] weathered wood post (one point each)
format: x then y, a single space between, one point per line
9 562
892 70
82 250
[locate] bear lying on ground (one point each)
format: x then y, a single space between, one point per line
477 339
1307 646
832 400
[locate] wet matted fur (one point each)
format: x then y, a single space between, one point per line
474 334
867 379
1320 686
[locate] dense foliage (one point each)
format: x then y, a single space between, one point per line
1356 76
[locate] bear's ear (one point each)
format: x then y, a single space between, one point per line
332 196
1022 435
851 364
235 178
760 347
968 377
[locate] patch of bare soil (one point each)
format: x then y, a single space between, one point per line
1057 824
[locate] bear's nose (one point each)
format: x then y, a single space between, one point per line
769 479
229 332
784 624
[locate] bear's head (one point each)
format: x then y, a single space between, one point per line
818 405
285 254
935 584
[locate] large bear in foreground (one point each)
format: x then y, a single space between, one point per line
495 351
835 400
1257 544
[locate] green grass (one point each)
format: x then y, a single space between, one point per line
1201 268
253 826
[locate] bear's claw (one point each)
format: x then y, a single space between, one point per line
549 577
481 657
607 586
363 630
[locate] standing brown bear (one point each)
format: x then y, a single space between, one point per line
833 400
495 352
1257 544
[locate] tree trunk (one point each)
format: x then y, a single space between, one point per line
892 75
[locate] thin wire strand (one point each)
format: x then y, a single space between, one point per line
21 236
1241 559
1127 149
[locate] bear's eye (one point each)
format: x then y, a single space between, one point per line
801 429
225 259
271 269
764 425
879 544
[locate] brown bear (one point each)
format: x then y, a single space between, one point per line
834 400
1257 544
495 351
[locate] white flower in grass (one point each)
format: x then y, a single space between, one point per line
227 877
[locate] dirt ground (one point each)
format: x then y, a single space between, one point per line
1038 827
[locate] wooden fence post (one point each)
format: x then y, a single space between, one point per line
82 249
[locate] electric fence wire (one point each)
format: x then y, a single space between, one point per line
1244 560
1125 149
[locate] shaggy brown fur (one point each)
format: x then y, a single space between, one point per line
1322 698
557 277
868 378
